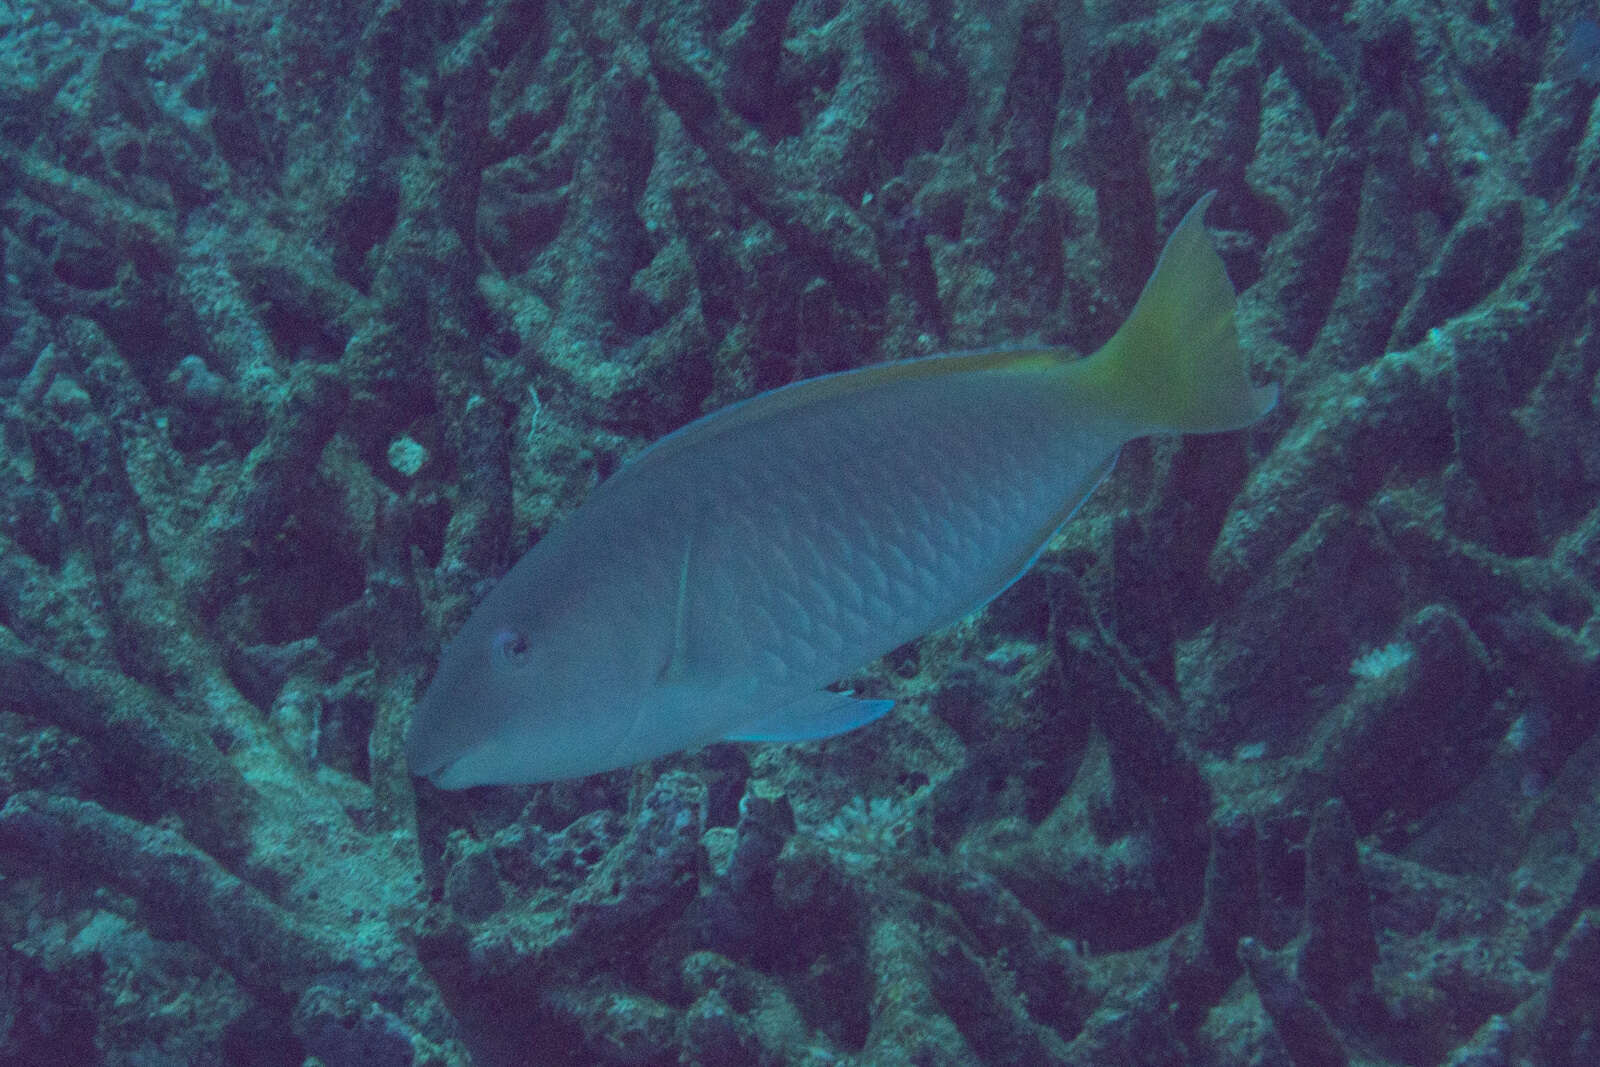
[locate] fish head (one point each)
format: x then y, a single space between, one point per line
513 702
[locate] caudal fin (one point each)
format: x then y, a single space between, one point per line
1175 364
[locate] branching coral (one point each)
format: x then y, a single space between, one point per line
312 318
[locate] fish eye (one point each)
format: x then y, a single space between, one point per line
512 647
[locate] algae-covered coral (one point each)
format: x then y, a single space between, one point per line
314 316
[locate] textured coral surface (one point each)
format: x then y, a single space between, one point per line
314 315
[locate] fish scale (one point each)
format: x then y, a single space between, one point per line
857 594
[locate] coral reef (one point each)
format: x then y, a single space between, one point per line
313 316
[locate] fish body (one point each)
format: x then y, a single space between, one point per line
719 581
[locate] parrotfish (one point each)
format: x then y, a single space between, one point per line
720 581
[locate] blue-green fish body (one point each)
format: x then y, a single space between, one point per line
717 583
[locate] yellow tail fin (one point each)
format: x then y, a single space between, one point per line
1175 364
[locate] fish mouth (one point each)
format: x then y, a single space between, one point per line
440 775
445 764
429 768
427 761
442 771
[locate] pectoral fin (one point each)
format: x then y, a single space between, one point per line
676 669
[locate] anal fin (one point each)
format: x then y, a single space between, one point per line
813 716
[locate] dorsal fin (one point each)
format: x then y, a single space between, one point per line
830 386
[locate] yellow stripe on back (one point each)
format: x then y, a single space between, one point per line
832 387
